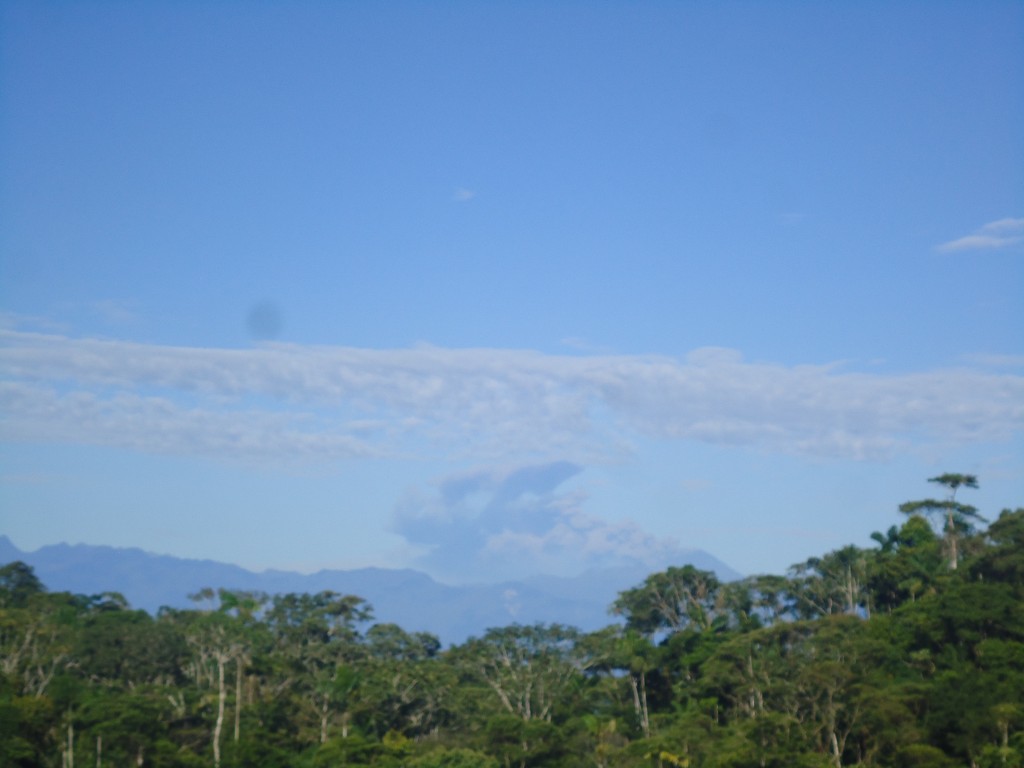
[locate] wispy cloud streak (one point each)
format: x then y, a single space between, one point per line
338 402
995 234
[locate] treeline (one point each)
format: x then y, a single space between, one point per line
909 654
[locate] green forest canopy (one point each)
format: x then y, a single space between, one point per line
909 653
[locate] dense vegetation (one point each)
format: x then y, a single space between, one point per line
907 654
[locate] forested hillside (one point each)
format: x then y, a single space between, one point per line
909 653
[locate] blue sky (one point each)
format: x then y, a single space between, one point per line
493 289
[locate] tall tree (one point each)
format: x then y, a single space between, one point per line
18 583
671 600
833 584
215 643
1003 559
957 517
318 638
529 668
244 607
906 564
405 687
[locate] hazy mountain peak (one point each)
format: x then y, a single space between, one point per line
409 598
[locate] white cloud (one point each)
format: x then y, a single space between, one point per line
463 195
514 521
995 234
1004 226
302 402
159 425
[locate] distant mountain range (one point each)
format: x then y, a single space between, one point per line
409 598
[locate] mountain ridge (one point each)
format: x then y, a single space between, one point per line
405 596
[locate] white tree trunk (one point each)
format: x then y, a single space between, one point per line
951 528
324 712
238 696
639 686
222 695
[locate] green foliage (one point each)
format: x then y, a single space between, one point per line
907 566
453 758
923 756
885 656
18 583
25 722
957 519
670 601
1003 559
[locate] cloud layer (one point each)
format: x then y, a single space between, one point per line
509 523
281 401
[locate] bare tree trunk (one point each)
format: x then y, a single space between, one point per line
222 695
951 528
71 745
639 686
99 752
836 754
323 720
238 696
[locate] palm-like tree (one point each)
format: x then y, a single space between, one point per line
957 517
